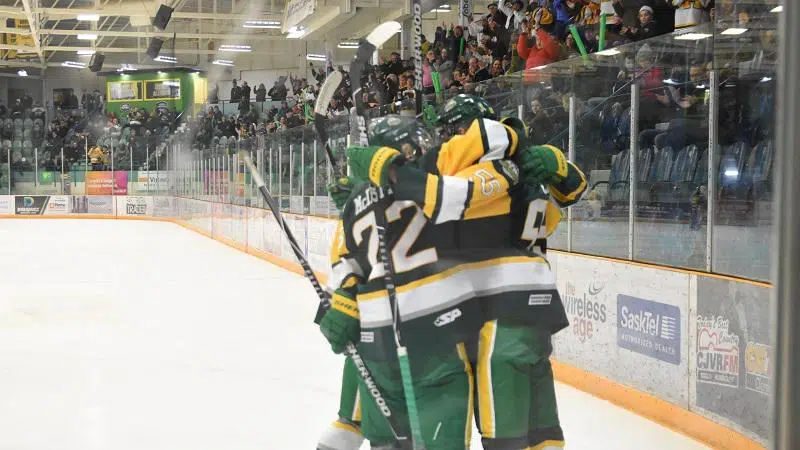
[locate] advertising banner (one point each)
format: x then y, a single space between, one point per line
627 323
106 183
650 328
733 353
163 206
296 204
6 204
100 204
152 181
320 205
134 206
29 205
57 204
320 236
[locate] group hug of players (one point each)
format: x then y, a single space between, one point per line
466 224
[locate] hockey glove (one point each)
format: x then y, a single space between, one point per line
341 323
341 189
372 163
542 164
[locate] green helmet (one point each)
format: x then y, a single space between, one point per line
401 133
464 108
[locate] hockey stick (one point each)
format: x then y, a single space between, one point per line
350 349
324 98
365 50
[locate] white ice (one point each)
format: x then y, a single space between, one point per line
120 335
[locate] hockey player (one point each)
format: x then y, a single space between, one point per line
516 408
344 433
437 305
515 343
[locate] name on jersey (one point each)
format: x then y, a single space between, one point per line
369 197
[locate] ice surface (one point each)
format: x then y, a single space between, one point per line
142 335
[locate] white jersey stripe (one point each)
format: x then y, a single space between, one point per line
454 197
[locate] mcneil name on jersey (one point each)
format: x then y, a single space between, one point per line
369 197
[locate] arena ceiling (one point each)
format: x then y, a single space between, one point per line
47 33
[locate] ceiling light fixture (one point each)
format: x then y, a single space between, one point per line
692 36
125 67
270 24
166 59
73 64
734 31
89 17
609 52
348 44
443 9
22 73
223 62
315 57
85 52
235 48
87 37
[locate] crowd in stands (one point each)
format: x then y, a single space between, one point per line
513 35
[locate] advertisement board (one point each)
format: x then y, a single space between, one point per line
58 204
106 183
29 205
35 205
627 323
6 204
131 205
296 204
320 236
152 181
163 206
732 353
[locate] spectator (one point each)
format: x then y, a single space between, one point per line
537 48
646 28
457 43
514 12
261 93
236 93
496 14
245 93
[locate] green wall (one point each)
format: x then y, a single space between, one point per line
184 103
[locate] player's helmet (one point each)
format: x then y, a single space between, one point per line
402 133
462 109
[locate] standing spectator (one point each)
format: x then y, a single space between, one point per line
515 14
394 65
245 93
261 93
646 28
567 13
537 49
496 14
236 93
500 38
213 97
428 67
457 43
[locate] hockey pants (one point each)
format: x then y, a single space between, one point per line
516 402
443 387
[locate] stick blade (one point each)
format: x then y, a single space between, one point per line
383 32
327 91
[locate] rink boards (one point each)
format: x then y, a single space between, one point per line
686 349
